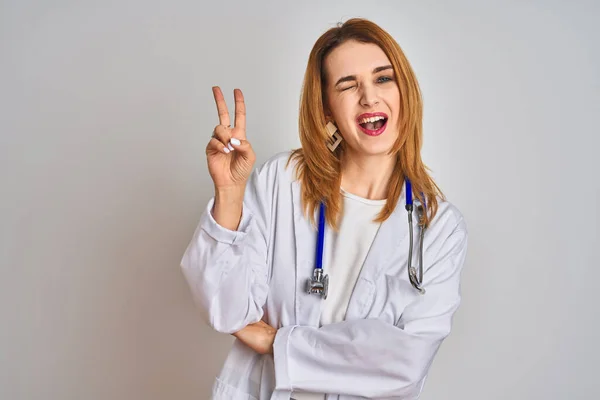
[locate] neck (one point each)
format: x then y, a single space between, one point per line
367 176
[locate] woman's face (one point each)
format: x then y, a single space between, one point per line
362 97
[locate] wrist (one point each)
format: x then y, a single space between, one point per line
227 207
229 194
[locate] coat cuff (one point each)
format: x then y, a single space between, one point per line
280 356
220 234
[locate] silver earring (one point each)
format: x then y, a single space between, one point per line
335 138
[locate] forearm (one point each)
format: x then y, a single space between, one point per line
366 358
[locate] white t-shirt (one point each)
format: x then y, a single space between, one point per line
343 257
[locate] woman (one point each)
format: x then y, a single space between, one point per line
375 331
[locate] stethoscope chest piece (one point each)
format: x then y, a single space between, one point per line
319 283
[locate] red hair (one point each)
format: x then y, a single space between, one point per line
319 170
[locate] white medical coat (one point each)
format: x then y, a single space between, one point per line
384 347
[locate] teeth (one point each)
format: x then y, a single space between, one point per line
372 119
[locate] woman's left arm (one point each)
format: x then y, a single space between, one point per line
370 357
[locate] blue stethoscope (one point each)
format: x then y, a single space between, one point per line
319 283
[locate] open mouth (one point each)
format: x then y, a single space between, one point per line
372 124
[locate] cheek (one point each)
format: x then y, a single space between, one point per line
342 109
395 102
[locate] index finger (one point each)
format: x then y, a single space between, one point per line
221 106
240 110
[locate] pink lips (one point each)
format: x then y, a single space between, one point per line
371 115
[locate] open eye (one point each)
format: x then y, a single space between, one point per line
384 79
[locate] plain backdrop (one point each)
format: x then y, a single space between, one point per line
105 111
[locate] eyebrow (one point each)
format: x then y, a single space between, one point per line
353 77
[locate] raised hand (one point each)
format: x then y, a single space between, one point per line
229 155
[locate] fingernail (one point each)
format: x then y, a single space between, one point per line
230 147
226 150
235 141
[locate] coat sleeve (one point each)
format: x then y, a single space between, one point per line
370 357
227 271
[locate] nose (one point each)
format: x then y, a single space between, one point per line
369 96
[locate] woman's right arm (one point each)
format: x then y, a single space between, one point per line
225 264
226 269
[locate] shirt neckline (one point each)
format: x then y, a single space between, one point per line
371 202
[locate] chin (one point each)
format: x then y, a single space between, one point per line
375 150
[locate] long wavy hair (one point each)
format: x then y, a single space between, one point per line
319 170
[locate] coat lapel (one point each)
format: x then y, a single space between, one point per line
385 251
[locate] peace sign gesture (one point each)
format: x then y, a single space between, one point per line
230 156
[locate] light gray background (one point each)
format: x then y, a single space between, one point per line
105 109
